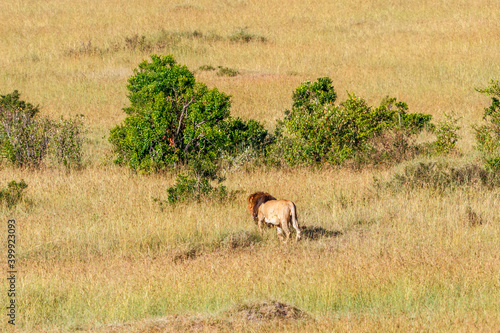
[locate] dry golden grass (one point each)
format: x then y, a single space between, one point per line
96 252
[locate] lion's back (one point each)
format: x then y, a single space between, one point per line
278 208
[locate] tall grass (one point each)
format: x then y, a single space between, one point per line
95 249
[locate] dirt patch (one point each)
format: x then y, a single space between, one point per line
268 311
239 239
188 254
262 316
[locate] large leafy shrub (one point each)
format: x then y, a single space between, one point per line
175 120
316 130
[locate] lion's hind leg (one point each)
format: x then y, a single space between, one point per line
285 228
279 230
297 230
294 221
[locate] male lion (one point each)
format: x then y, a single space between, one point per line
280 213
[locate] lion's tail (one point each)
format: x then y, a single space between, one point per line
295 223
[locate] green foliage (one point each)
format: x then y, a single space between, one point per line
309 95
13 101
396 116
13 194
194 189
488 135
316 130
243 134
67 141
174 120
25 139
447 136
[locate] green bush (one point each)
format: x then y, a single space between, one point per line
316 130
13 194
244 134
488 135
26 139
67 141
174 120
446 135
396 141
188 188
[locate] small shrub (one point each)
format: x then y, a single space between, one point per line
189 254
269 310
488 135
221 71
224 71
206 68
67 141
25 139
13 194
188 189
447 136
472 219
243 36
86 49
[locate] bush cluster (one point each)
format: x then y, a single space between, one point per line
174 121
26 139
316 130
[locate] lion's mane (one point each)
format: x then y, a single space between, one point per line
255 200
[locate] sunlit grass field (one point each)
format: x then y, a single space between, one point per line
96 252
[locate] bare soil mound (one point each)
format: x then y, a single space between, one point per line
268 311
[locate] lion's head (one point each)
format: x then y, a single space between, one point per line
255 200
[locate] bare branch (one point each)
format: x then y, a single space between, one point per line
184 110
197 138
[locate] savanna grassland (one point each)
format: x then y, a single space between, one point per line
96 252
